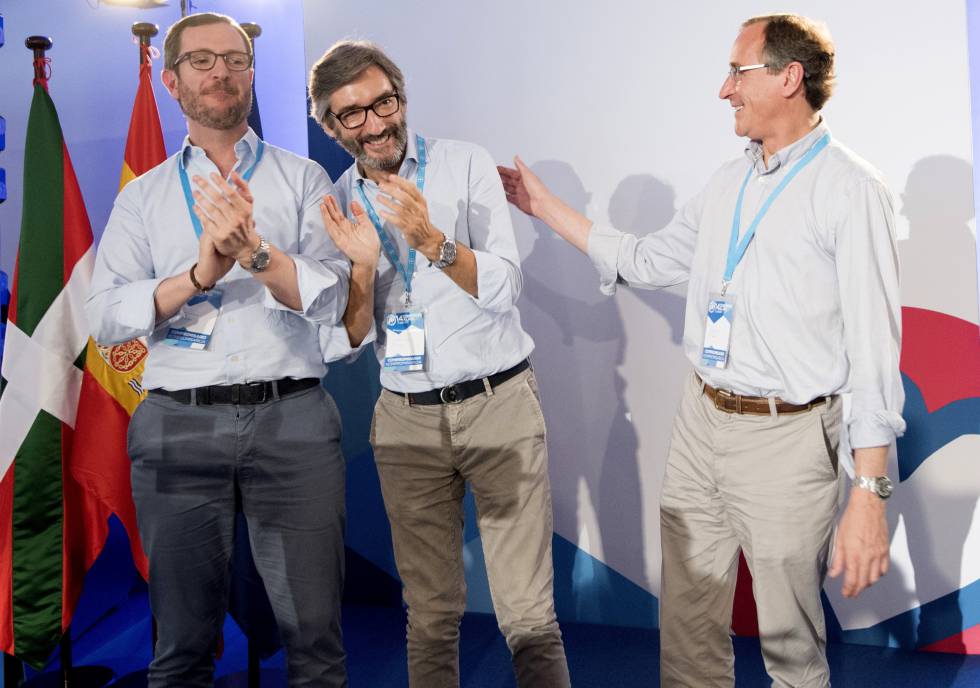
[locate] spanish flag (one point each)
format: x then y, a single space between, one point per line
111 385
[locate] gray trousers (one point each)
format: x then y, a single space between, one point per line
283 459
425 454
768 486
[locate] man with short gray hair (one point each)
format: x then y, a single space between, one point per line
460 402
792 270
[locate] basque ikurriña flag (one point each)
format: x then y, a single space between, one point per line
51 530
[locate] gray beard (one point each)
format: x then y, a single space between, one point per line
223 119
357 151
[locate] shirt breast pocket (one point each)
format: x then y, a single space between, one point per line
449 219
279 225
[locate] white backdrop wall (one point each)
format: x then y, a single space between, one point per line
615 105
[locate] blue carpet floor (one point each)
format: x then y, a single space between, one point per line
599 657
111 628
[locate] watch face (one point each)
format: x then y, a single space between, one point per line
884 487
448 252
260 260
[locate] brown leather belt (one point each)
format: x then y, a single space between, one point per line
729 402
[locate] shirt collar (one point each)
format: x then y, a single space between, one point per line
784 156
246 148
411 158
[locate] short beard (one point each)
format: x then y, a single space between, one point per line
223 119
356 149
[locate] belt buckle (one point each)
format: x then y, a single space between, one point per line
450 395
721 396
252 386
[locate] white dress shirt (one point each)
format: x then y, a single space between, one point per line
466 337
150 237
817 309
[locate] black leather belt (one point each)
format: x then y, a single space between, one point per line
453 394
248 393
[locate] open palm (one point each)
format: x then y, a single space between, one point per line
355 237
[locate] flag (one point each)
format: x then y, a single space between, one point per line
50 529
112 379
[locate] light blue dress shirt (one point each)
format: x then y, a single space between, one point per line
817 307
466 338
150 237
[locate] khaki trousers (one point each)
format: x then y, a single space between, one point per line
425 454
768 486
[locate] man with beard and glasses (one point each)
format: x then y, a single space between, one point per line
792 268
219 257
460 402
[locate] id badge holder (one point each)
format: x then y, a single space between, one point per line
718 330
195 323
405 339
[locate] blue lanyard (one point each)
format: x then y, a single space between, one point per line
736 248
185 183
406 271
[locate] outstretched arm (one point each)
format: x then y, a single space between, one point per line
526 191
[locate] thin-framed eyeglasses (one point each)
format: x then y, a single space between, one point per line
385 106
735 72
203 60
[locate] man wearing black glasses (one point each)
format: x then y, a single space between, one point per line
460 403
790 257
218 256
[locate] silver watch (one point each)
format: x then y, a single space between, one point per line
880 485
260 257
447 253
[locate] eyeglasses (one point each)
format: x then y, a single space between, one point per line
385 106
203 60
735 72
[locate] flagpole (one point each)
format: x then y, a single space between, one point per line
254 120
144 31
254 667
253 30
39 45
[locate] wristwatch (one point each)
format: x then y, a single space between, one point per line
447 253
260 257
880 485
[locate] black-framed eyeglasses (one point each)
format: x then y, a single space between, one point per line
735 72
385 106
203 60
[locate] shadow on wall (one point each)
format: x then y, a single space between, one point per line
938 260
936 500
580 342
938 269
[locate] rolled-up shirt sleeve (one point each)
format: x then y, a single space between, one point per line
335 343
867 272
498 274
661 259
322 271
120 305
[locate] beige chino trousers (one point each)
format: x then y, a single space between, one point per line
767 485
425 454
